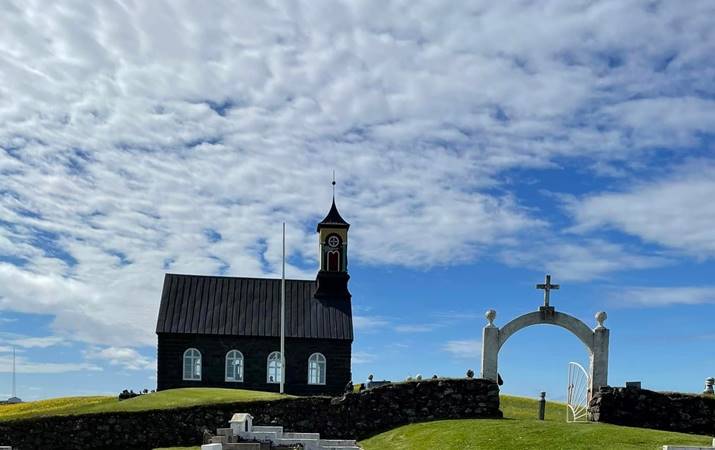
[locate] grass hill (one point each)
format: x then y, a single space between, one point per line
158 400
518 430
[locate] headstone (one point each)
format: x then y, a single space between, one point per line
241 423
633 384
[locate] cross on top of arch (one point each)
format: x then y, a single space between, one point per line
547 287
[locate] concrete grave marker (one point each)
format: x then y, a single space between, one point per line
241 423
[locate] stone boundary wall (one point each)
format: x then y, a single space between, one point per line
353 416
686 413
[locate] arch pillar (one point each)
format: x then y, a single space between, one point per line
596 341
490 352
599 358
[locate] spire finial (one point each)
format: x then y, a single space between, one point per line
333 185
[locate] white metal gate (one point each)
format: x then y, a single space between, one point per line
577 394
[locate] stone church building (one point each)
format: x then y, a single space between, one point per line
225 331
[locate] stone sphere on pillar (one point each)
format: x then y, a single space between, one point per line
709 383
601 317
491 315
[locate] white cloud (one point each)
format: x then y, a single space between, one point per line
578 260
122 356
663 296
415 328
464 349
38 342
363 357
127 131
369 323
676 211
24 365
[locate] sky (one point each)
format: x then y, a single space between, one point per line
477 146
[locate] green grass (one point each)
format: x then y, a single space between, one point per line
520 430
160 400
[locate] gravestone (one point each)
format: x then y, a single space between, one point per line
373 384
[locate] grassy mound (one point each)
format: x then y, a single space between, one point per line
520 430
173 398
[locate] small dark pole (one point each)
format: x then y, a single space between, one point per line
542 406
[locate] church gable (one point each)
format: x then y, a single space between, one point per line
250 307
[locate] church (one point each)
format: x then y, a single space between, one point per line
225 331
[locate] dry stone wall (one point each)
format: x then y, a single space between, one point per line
353 416
686 413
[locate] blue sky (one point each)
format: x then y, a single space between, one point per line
477 147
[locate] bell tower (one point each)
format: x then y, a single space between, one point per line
332 279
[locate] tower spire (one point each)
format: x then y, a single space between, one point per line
333 186
332 279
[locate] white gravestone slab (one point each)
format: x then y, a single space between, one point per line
685 447
212 447
241 423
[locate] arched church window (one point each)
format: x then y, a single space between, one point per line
333 261
192 365
316 369
234 366
274 372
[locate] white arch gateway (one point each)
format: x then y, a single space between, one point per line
596 340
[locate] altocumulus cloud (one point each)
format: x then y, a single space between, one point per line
129 129
122 356
464 349
663 296
675 211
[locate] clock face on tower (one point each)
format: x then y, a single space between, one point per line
333 241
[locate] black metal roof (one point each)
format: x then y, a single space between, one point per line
250 307
333 219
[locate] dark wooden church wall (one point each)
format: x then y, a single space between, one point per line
255 351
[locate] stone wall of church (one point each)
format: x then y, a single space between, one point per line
353 416
255 352
670 411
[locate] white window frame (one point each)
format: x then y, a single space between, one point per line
319 360
234 356
196 368
274 358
